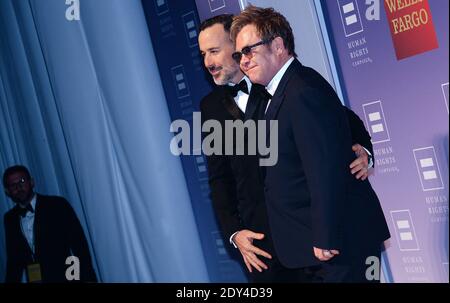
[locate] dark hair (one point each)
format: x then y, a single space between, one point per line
269 24
224 19
14 169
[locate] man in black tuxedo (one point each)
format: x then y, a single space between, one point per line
237 190
41 233
318 213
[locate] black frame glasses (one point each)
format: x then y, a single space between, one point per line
237 56
17 185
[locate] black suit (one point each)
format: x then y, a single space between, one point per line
312 198
57 235
236 186
237 190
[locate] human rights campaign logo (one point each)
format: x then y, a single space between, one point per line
428 168
350 17
215 5
405 232
190 26
161 7
445 92
376 122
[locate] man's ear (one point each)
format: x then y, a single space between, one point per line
279 45
32 182
7 192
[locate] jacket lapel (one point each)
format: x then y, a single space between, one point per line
274 107
17 226
230 105
37 225
253 101
278 97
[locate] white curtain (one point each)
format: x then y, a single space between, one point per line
82 105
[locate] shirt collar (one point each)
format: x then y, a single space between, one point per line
32 202
273 84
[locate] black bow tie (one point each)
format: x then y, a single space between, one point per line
23 211
266 96
242 86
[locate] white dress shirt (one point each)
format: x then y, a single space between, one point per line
27 226
242 98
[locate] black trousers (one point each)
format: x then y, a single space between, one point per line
362 266
277 273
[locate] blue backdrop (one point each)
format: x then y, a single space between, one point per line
173 27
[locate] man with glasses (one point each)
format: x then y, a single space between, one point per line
237 190
247 50
41 233
319 214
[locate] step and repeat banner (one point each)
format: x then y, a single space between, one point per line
173 26
393 60
210 8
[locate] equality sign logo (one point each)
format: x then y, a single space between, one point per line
411 26
350 16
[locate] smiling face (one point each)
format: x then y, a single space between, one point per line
216 49
262 64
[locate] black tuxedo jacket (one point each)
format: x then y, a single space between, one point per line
236 182
236 186
312 198
57 235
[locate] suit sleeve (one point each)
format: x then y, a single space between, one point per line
322 137
79 244
11 261
223 187
359 132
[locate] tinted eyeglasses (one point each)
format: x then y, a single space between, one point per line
17 185
246 51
